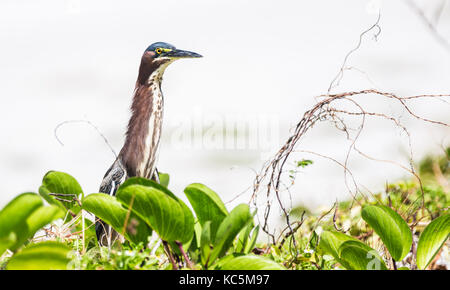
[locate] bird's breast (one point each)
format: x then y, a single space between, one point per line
146 166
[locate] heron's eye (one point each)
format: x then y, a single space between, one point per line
158 50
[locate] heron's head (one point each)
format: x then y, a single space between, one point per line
159 55
162 50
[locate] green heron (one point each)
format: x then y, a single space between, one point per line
139 153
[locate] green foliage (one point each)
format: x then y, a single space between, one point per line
124 221
331 242
168 216
432 239
48 255
247 238
42 217
61 189
21 218
207 206
125 257
211 237
359 256
164 179
304 162
228 230
392 229
250 262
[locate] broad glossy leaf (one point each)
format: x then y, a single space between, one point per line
188 217
13 217
61 183
251 262
42 217
207 206
230 227
392 229
48 255
111 211
359 256
166 214
330 243
432 239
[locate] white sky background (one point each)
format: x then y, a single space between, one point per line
78 59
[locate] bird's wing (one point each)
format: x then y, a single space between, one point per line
115 176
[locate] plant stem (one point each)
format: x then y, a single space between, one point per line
169 254
186 258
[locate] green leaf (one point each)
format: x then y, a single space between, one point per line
42 217
304 162
164 179
250 262
432 239
112 212
13 218
207 206
48 255
252 242
197 235
230 227
243 238
7 242
205 243
359 256
392 229
64 184
160 209
188 217
330 243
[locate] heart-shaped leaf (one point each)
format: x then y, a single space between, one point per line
359 256
160 209
250 262
48 255
392 229
64 186
230 227
207 206
111 211
432 239
188 217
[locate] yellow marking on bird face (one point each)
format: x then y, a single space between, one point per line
160 50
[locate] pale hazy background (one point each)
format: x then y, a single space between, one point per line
78 59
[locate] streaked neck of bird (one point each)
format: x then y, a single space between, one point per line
139 153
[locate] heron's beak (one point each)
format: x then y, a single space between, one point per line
178 53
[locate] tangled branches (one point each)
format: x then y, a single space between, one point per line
269 182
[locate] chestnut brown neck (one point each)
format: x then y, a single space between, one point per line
139 152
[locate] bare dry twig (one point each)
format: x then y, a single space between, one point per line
269 180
